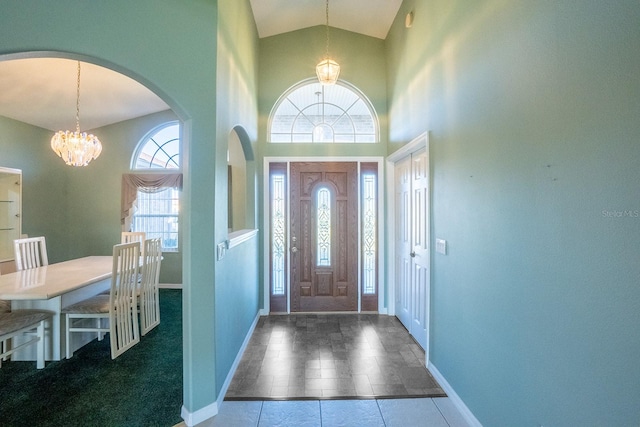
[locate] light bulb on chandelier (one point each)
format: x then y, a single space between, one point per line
76 148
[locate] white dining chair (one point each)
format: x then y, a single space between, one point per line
27 323
118 308
30 252
134 236
149 296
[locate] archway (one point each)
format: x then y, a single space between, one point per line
241 181
62 215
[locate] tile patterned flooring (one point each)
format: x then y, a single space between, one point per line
436 412
331 356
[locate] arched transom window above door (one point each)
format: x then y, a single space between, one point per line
313 113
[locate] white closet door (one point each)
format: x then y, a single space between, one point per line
412 244
403 241
421 267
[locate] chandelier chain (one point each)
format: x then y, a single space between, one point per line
328 69
327 27
78 100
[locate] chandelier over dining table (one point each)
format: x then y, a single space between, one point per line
76 148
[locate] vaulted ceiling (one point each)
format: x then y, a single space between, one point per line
42 92
370 17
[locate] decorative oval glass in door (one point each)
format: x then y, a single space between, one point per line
323 227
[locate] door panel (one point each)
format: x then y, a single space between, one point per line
324 251
403 241
420 219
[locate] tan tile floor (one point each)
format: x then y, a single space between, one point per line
436 412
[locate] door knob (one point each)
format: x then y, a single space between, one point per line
294 249
413 254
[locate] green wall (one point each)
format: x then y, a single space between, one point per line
237 282
287 59
44 182
532 109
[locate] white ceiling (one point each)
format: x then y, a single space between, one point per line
42 92
370 17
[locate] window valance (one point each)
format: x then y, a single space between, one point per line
146 182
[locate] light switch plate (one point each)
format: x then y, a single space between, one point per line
221 249
441 246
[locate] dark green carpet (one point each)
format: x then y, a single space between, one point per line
142 387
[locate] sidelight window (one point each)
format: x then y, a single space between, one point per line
369 244
369 225
278 242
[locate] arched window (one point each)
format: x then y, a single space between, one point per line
313 113
151 199
160 148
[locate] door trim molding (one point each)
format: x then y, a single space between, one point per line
383 300
419 142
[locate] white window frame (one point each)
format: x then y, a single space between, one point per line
157 170
354 90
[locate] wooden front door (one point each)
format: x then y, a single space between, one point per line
324 236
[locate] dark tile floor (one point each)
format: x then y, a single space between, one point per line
331 356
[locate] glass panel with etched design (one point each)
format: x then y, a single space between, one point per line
278 234
323 223
369 233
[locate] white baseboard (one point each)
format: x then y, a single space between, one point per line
170 285
193 418
236 362
453 396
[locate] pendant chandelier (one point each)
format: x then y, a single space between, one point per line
76 148
327 70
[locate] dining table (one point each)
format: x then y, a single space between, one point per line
53 287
